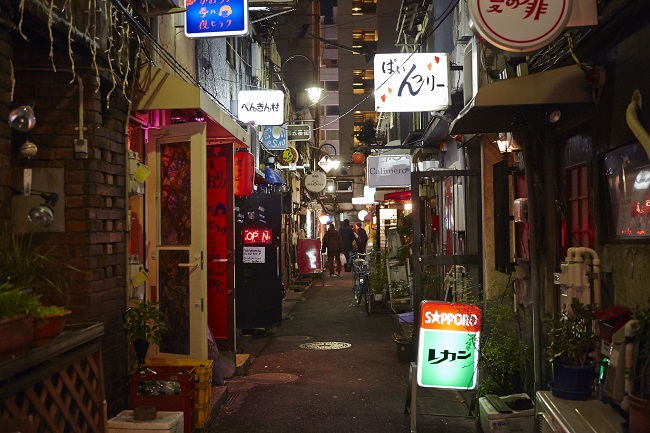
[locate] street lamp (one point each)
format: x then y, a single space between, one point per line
314 91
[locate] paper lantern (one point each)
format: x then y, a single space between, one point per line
244 173
358 158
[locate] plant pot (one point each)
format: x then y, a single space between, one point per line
17 333
378 297
639 414
405 351
572 382
48 328
141 348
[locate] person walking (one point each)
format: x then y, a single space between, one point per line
348 238
333 243
362 239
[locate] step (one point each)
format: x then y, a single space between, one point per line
242 363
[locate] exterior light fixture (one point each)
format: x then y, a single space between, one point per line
43 214
314 94
314 91
408 206
198 116
503 143
362 214
22 118
178 116
554 116
325 217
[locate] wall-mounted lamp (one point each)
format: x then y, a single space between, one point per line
198 116
506 143
22 118
43 214
325 217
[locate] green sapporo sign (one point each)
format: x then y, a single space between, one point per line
448 345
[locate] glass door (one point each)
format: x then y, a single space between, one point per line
176 239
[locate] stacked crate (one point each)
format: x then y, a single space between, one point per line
178 380
202 384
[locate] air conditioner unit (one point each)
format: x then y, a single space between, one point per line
463 31
555 415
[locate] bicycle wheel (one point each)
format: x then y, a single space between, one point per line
356 288
365 288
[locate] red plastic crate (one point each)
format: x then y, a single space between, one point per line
175 376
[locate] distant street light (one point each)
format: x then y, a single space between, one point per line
314 91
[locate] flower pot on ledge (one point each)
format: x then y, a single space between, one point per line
17 333
48 328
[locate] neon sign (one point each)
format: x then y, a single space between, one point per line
257 236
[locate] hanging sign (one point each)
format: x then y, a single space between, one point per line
289 156
299 132
207 19
412 82
274 138
244 173
389 171
316 181
448 345
261 107
520 27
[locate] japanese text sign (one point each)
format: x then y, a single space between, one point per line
412 82
274 138
448 345
388 171
520 26
211 18
261 107
299 132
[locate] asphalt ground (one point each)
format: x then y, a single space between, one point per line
349 380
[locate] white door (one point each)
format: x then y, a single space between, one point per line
176 238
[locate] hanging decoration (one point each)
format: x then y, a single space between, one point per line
244 173
358 158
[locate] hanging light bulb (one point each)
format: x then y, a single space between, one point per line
22 118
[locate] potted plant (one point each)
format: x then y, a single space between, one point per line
16 319
639 398
49 322
144 326
570 340
379 278
503 355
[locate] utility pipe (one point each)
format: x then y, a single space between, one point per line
632 118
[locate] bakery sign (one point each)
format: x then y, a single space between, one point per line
519 26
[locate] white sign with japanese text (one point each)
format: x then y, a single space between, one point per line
520 26
389 171
254 255
412 82
261 107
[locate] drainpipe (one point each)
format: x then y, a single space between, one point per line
81 144
631 116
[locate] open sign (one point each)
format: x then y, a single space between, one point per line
257 236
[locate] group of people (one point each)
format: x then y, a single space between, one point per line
343 241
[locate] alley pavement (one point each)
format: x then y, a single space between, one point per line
329 367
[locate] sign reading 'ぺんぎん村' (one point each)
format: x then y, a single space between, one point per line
518 26
448 345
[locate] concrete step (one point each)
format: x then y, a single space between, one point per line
243 363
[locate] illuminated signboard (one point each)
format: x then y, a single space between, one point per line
208 19
448 345
257 236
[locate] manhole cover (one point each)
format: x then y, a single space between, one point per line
293 338
271 378
325 345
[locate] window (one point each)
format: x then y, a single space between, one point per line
344 186
363 81
331 110
331 86
331 134
364 41
230 51
364 7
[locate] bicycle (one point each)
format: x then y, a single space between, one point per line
361 280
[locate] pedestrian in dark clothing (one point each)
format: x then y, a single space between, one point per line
333 243
362 239
348 238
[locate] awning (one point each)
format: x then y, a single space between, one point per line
398 196
159 90
514 104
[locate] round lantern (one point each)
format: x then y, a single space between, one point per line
244 168
358 158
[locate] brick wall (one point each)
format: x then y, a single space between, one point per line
94 196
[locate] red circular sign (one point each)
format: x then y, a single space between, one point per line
518 26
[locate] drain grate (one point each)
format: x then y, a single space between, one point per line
231 399
325 345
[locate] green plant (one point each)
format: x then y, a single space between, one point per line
570 337
399 289
144 321
641 328
15 302
379 274
30 267
429 284
503 355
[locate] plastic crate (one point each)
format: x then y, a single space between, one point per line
177 379
201 415
203 378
